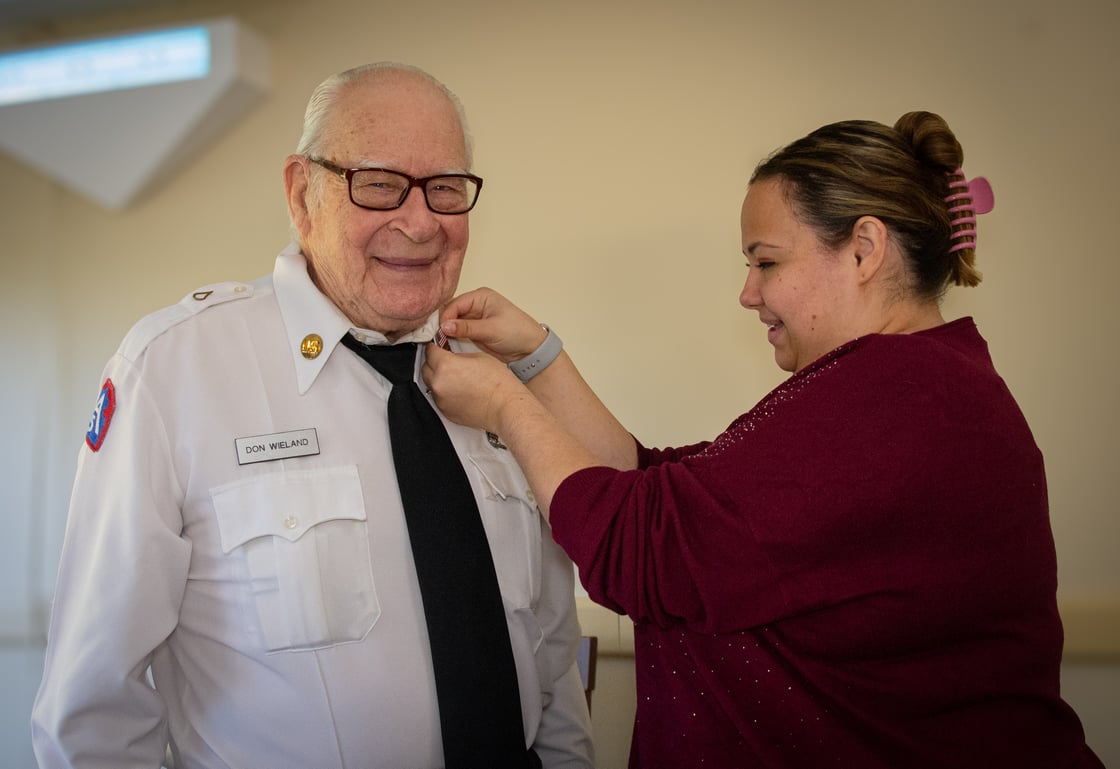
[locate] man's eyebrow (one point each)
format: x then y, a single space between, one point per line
381 165
368 163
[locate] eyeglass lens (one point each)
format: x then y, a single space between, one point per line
375 188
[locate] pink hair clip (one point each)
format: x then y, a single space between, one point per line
966 200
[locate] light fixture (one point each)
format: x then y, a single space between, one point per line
109 117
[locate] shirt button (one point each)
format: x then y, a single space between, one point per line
290 522
529 496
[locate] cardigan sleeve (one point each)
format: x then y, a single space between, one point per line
852 478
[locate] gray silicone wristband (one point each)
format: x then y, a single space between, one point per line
537 361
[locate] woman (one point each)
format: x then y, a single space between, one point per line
859 571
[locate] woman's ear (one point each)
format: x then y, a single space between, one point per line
870 240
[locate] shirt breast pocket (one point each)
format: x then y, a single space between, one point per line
513 527
305 542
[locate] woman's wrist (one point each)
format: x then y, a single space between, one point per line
512 403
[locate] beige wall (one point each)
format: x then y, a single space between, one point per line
587 115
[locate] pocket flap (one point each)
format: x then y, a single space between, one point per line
504 478
286 504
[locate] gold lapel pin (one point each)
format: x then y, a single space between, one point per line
311 346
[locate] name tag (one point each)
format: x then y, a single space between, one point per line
267 448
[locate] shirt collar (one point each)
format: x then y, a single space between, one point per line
314 325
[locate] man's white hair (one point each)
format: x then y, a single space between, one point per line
325 96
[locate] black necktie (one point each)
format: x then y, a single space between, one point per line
476 681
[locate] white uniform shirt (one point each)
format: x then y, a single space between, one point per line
239 530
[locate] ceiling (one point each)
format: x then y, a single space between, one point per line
30 13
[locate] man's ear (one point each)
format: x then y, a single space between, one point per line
297 173
870 239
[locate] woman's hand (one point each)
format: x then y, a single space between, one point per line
471 388
547 424
478 390
495 324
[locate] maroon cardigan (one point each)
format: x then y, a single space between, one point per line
858 572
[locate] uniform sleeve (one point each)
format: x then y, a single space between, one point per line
120 583
564 737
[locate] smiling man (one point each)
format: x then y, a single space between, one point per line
237 523
386 269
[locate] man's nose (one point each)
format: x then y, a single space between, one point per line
415 219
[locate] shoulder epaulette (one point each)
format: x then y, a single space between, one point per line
155 324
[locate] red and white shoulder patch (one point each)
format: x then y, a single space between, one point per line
102 416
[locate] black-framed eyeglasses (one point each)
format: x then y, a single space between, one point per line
382 190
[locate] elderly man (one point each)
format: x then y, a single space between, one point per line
245 524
